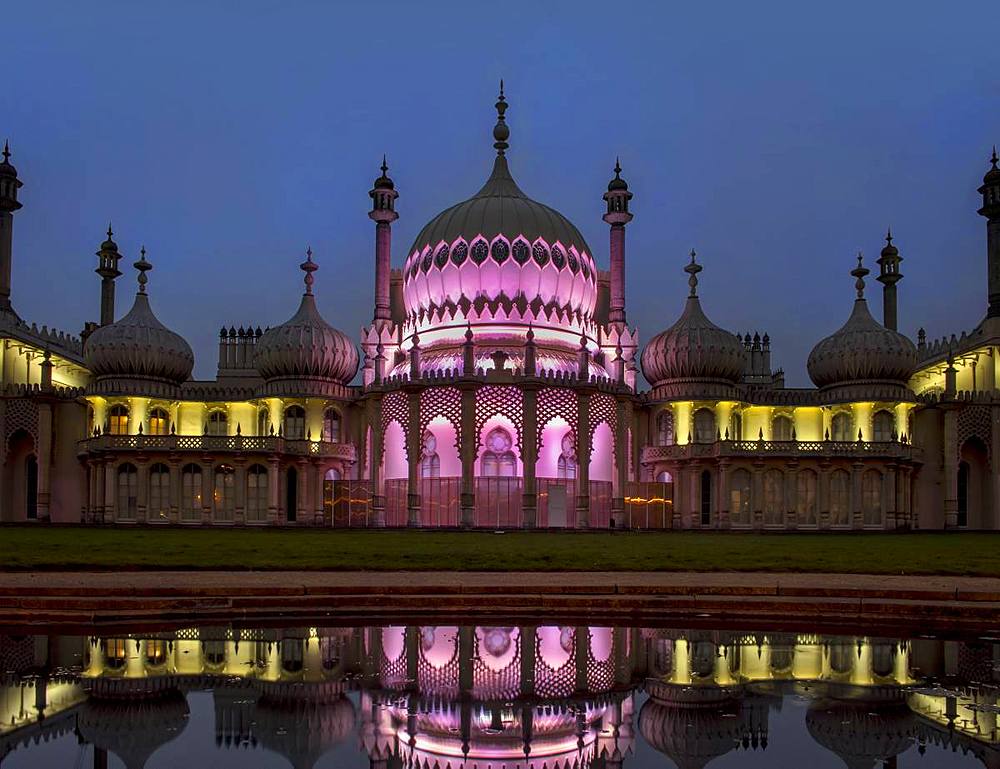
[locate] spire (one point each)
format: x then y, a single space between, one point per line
143 267
617 183
501 133
309 267
692 269
383 182
993 158
860 272
6 152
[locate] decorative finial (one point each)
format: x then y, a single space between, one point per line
309 267
143 267
692 269
888 236
500 131
618 168
385 166
859 272
993 158
6 152
110 233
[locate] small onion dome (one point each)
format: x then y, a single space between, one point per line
306 349
863 353
693 736
617 183
862 733
138 354
134 729
693 351
305 722
6 167
109 244
384 182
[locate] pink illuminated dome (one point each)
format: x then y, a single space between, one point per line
500 256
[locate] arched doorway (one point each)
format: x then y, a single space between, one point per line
20 479
975 500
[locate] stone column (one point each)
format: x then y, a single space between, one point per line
722 495
529 457
757 496
621 465
950 468
792 512
823 497
239 491
469 444
681 490
44 455
142 500
856 511
583 459
375 460
110 498
97 510
413 447
273 489
890 497
319 503
301 493
174 514
207 495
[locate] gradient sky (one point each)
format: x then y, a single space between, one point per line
775 138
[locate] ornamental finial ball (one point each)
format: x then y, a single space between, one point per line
501 133
309 267
692 269
143 266
860 272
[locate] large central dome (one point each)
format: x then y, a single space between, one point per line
500 254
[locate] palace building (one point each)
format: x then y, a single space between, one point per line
498 386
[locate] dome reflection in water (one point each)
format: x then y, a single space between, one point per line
492 697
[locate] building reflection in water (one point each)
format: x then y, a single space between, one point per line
552 697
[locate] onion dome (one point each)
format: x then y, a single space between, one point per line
617 183
384 182
304 721
497 251
693 735
138 355
863 358
133 728
694 356
305 355
862 733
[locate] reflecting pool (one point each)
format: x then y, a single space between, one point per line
538 697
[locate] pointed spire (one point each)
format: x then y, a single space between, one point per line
385 166
617 183
110 231
500 131
860 272
383 182
692 269
309 267
143 267
6 151
994 159
888 236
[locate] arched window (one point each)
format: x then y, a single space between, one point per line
256 494
498 459
665 428
295 423
704 426
739 497
806 497
331 425
882 424
191 493
840 427
430 462
159 422
223 497
871 497
566 464
118 420
263 422
840 498
774 497
217 422
128 492
159 492
781 429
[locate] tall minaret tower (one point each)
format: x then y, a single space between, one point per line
383 213
9 185
991 210
889 276
617 216
107 268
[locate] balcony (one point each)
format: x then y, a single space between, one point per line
791 449
234 444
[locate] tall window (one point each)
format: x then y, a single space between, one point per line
223 496
806 497
118 420
498 458
331 425
566 464
217 421
159 422
430 462
871 497
128 492
31 487
781 429
840 498
256 494
739 497
704 426
295 423
882 424
774 497
159 492
840 427
665 428
263 422
191 503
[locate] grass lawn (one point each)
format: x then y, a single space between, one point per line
79 547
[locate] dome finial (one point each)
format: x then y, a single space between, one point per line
385 166
309 267
888 236
994 159
6 152
692 269
143 267
500 131
110 233
859 272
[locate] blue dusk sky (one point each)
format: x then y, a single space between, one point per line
775 138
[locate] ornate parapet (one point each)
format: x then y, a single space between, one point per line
802 449
237 444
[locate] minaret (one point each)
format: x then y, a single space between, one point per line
383 213
107 268
9 185
991 210
889 276
617 216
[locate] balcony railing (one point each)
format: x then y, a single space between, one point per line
852 449
267 444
